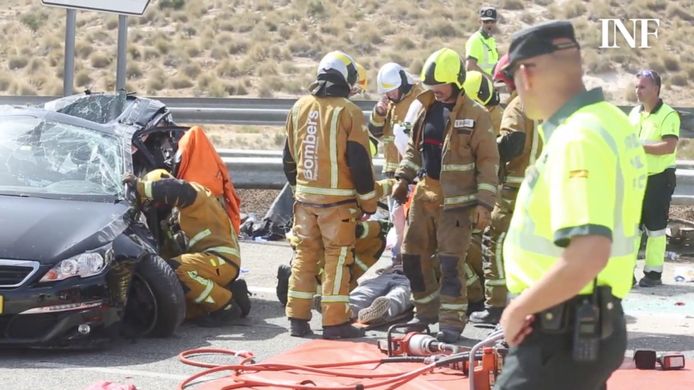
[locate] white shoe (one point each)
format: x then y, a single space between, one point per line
376 312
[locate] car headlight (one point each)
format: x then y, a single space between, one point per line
83 265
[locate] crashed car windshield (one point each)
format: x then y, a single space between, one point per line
39 157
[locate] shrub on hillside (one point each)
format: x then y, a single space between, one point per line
5 82
82 79
133 70
83 50
173 4
671 63
181 82
33 20
17 62
99 60
679 79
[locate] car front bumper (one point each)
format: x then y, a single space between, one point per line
70 313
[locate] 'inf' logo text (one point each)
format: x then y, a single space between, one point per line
639 28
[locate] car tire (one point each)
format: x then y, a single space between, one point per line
155 277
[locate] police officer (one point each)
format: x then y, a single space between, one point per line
200 245
326 159
480 48
453 153
571 245
658 126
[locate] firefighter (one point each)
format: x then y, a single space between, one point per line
326 160
519 147
480 89
399 90
453 153
571 244
200 245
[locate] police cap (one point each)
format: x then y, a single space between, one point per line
539 39
488 13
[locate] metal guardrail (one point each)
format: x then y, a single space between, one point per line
262 169
266 112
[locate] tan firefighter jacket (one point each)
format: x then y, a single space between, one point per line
326 156
201 217
382 127
514 120
470 159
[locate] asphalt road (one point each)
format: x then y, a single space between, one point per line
661 318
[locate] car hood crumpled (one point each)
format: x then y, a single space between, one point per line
49 230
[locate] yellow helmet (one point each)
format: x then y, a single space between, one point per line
157 174
478 87
362 80
444 66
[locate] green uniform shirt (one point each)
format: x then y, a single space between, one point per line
482 48
589 180
652 127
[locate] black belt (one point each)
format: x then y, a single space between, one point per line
326 205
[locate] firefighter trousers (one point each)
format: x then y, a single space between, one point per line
434 252
205 278
328 234
474 270
495 290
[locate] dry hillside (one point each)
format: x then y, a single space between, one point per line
269 48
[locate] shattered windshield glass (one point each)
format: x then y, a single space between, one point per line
38 156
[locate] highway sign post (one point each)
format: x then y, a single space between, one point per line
121 7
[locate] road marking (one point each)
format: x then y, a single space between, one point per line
118 371
262 290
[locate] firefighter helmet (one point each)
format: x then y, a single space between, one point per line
362 79
444 66
157 174
390 77
499 74
341 63
478 87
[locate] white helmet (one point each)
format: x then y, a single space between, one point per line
390 77
340 62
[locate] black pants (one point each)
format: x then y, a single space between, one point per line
544 361
656 202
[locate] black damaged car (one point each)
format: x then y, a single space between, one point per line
78 263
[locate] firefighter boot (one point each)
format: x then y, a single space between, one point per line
448 335
241 296
419 324
490 315
299 328
344 331
224 316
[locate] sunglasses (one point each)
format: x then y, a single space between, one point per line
510 70
651 74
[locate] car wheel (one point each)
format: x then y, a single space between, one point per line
156 303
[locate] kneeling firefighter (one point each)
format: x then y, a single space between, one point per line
199 243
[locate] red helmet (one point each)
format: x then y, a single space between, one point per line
499 74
